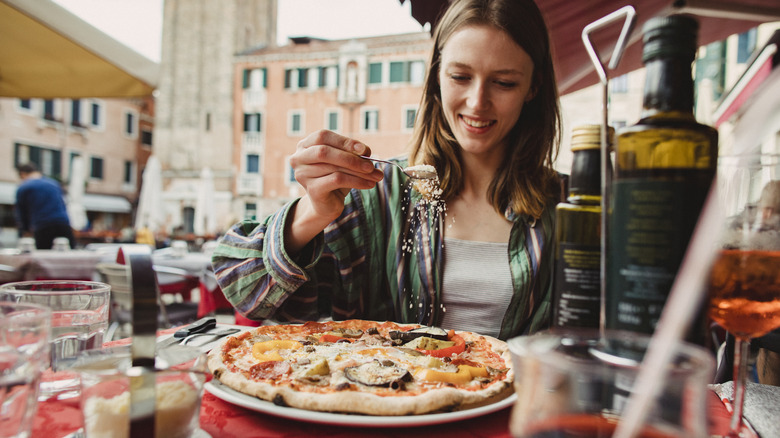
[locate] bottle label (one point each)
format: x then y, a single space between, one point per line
577 281
650 226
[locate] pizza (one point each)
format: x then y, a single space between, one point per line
365 367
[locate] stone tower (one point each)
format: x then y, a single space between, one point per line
194 100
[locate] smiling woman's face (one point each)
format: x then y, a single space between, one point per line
485 78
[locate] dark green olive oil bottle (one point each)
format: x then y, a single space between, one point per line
577 281
664 166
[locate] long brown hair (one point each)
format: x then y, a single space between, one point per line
527 180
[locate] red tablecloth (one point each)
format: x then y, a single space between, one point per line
224 420
58 418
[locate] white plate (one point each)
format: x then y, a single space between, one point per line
229 395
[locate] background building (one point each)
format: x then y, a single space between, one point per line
194 101
110 135
367 88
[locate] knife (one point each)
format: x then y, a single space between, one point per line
200 326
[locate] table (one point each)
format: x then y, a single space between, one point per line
220 419
75 264
224 420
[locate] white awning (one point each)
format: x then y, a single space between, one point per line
107 203
92 202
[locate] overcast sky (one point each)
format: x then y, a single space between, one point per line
138 23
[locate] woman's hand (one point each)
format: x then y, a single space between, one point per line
327 165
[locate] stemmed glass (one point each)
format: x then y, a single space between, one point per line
744 286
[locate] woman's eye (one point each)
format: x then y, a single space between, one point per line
457 77
506 84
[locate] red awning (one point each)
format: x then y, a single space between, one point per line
759 69
566 19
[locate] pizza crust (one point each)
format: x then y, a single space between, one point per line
360 399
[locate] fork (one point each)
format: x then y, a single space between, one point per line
411 172
215 334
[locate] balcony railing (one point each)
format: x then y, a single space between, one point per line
254 99
250 184
253 142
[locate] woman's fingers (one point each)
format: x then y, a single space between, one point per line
330 138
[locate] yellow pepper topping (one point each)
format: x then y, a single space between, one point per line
464 375
268 350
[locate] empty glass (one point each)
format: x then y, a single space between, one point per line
24 354
79 319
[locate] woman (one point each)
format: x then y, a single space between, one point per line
361 244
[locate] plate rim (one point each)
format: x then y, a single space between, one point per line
229 395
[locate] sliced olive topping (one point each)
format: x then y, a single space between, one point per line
428 332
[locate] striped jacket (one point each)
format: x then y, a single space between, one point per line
380 260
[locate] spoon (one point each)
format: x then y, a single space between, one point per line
414 172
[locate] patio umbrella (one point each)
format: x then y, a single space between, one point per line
76 210
566 19
149 213
205 222
47 52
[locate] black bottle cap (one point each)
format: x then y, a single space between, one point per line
670 36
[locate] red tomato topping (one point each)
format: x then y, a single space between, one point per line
269 370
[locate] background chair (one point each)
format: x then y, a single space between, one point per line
171 314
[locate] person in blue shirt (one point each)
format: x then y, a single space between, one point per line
40 208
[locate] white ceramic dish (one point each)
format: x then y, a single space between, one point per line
231 396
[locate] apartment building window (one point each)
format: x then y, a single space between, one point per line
288 78
48 160
370 119
128 172
252 163
96 168
322 77
295 125
408 117
746 44
332 120
398 72
303 77
25 104
619 84
253 122
407 71
250 210
375 73
332 80
255 78
146 137
416 72
96 114
48 110
75 113
131 124
290 173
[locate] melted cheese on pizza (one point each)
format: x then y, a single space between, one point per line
305 357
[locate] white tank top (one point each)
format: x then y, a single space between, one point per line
477 285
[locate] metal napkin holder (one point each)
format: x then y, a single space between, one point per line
142 376
628 14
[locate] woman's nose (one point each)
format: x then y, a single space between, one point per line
478 97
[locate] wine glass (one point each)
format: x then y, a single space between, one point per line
575 383
744 284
